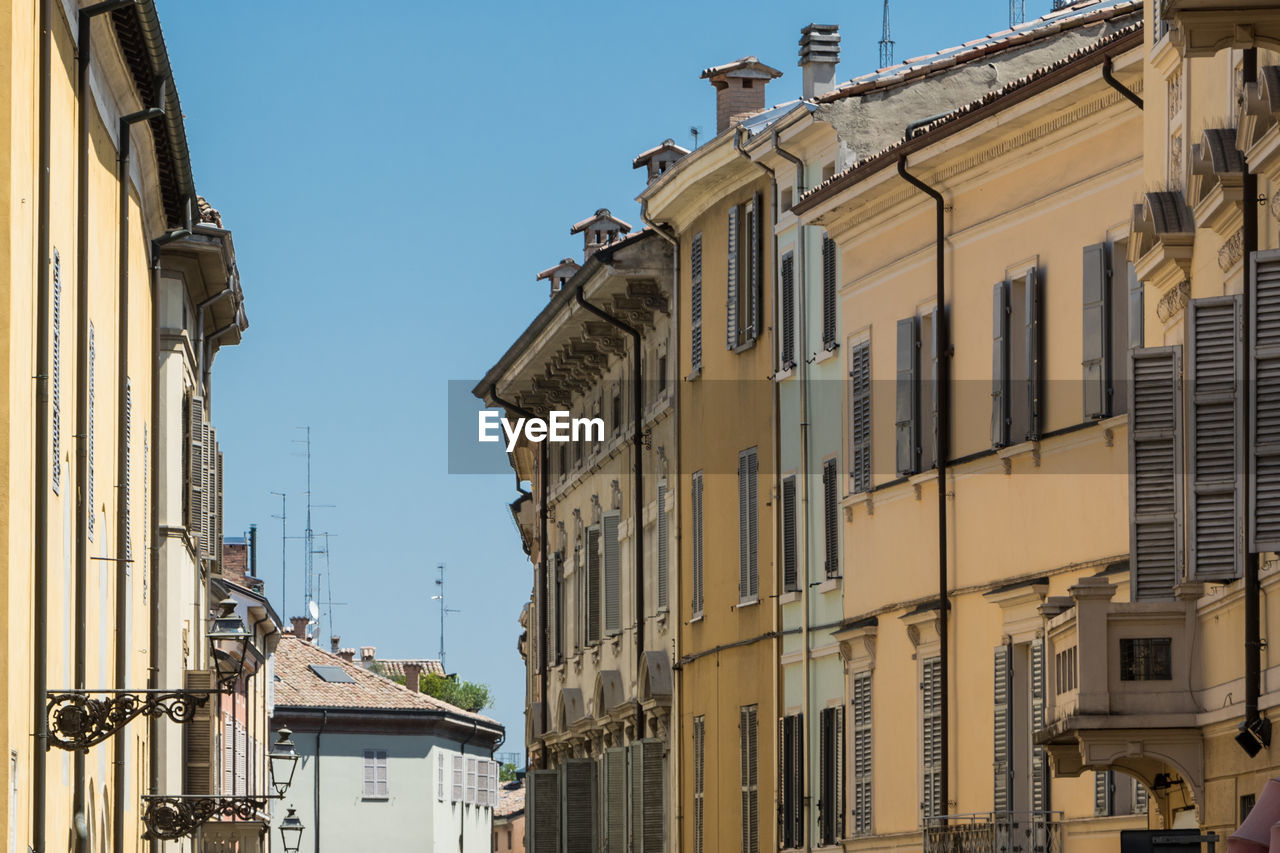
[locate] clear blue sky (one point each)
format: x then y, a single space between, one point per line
395 174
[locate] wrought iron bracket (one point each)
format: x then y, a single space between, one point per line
79 719
171 818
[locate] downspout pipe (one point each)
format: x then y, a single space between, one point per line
943 355
543 547
1117 85
1252 590
637 442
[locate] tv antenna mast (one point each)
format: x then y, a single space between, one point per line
443 610
1017 12
886 43
694 131
284 551
309 535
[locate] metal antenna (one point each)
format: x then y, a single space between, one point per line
443 610
694 131
329 603
284 551
886 43
1017 12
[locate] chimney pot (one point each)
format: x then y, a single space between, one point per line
413 676
739 89
819 53
367 655
299 626
334 643
348 655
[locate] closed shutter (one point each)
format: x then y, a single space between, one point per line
91 506
242 761
195 465
558 602
1003 731
198 738
931 804
206 489
756 230
1097 361
790 581
826 778
615 800
664 547
472 781
1039 756
126 496
788 299
695 302
218 525
612 575
543 811
796 771
860 417
1215 362
1032 330
1264 403
457 793
549 598
749 767
906 420
831 517
1139 797
862 756
1136 309
699 781
647 808
935 367
748 525
1155 472
439 775
731 295
828 292
55 438
578 804
784 795
593 585
1103 790
790 781
695 504
1000 365
229 758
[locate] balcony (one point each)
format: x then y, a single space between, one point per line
1204 27
234 836
994 832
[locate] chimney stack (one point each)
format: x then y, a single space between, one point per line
334 643
739 89
819 53
660 158
598 231
348 655
367 656
559 274
299 626
413 676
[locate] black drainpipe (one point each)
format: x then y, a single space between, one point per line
543 546
1252 620
637 441
1117 85
944 429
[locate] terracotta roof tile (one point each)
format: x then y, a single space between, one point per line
396 667
510 799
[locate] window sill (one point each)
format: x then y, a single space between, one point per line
749 602
1110 425
697 617
371 799
789 597
830 584
697 371
784 373
917 481
825 353
857 499
745 345
1008 454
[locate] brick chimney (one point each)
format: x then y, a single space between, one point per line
819 53
598 231
348 655
335 643
413 676
367 654
559 274
300 626
739 89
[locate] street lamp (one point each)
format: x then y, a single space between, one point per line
291 832
228 644
284 760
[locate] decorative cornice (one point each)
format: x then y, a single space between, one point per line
1174 301
1232 251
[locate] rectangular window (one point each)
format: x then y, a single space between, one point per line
593 585
1015 379
456 786
860 417
470 796
931 738
831 518
749 768
831 775
861 753
699 780
695 302
1109 287
1146 659
612 574
748 526
906 416
695 504
439 775
790 562
663 546
745 279
375 773
787 300
791 781
829 324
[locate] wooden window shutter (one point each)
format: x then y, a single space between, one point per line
549 599
543 811
790 578
757 266
862 757
906 419
538 631
931 803
1039 755
1264 402
593 584
750 782
470 796
695 302
828 292
206 489
1096 346
788 299
664 547
1103 792
825 762
92 510
578 805
615 800
198 738
55 396
731 296
218 527
126 487
744 524
753 517
1032 328
195 465
1136 309
695 504
1000 415
699 781
457 790
935 385
647 810
831 517
1155 472
790 781
1003 730
838 774
1215 368
831 791
439 775
784 795
229 758
612 574
860 417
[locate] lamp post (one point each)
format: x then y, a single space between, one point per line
229 645
283 760
291 832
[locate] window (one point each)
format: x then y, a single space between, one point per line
439 775
592 631
916 417
931 804
831 775
557 604
1146 659
699 780
375 773
1155 473
745 259
787 300
790 574
1021 776
831 518
860 417
662 374
1117 793
695 504
1066 672
1112 325
472 780
664 545
1015 373
861 753
748 526
695 302
456 786
616 413
612 575
562 465
828 293
750 781
791 781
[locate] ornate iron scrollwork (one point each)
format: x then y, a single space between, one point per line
170 818
79 719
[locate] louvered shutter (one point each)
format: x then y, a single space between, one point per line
935 367
1032 329
1097 362
615 800
126 498
862 745
439 775
206 489
743 775
549 599
1000 365
229 758
695 504
543 811
830 517
695 302
750 782
593 585
1215 363
55 469
824 777
837 773
1003 732
1103 787
1139 797
90 503
538 630
699 781
906 420
664 547
828 292
931 738
612 575
457 792
470 795
1155 472
860 417
1264 402
790 580
757 265
753 515
195 464
784 795
731 296
1039 756
1136 310
242 762
788 299
647 809
218 526
198 738
744 525
578 804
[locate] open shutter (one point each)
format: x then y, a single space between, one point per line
1000 365
756 231
615 800
788 299
1215 363
218 526
861 753
935 384
837 773
612 575
543 811
578 804
647 810
457 790
1103 787
90 503
744 775
906 421
593 585
126 498
695 302
860 417
824 777
831 517
1003 734
1155 472
439 775
753 516
744 533
1136 309
790 579
784 796
699 781
1096 361
549 599
695 505
796 782
198 739
664 543
1039 756
1032 329
55 397
1264 402
828 292
731 296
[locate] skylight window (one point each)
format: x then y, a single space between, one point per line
333 674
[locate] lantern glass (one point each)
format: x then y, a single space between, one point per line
229 643
284 760
291 832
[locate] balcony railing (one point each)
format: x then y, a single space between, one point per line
994 832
